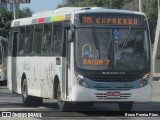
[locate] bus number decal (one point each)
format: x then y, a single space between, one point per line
87 19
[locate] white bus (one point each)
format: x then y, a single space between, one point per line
81 55
3 60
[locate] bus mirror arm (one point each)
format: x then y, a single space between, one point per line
70 35
68 65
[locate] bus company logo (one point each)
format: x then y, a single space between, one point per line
6 114
113 73
19 114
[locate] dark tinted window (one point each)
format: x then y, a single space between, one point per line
46 39
21 41
37 39
57 38
29 39
10 42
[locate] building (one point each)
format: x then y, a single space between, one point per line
9 6
64 1
17 5
4 5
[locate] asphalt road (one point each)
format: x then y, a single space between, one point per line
13 103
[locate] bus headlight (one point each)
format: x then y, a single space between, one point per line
145 80
81 81
2 69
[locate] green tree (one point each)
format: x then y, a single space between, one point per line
116 4
5 22
150 8
132 5
6 17
25 12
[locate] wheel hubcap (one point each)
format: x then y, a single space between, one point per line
24 93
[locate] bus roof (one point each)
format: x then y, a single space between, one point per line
65 13
84 10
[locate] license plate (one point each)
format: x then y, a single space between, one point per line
113 94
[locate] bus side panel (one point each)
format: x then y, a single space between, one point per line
9 74
47 76
49 70
40 73
30 66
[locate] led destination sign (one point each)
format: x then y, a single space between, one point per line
105 19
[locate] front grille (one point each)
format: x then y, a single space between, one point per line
116 88
112 78
103 96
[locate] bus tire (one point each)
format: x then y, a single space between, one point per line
62 105
27 100
85 104
37 101
127 106
5 83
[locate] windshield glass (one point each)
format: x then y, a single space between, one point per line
117 49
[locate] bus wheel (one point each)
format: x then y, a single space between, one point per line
37 101
85 104
62 105
5 83
27 100
125 106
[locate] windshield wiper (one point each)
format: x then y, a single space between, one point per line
126 40
96 41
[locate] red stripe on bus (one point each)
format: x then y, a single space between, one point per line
40 20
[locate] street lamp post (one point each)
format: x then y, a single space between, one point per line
158 7
140 5
14 10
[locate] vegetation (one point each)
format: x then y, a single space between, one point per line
6 18
5 21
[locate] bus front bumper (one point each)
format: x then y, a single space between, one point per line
81 94
2 77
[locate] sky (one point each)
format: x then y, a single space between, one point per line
41 5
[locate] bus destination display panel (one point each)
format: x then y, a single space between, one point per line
110 19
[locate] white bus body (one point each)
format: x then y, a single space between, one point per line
58 74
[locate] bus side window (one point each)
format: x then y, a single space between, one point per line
6 49
10 42
46 39
29 39
15 41
3 53
4 45
57 38
21 41
37 39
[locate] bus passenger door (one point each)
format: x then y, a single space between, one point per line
14 61
68 64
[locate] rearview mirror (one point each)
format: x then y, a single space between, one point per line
71 33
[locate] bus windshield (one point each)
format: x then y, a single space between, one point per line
117 50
